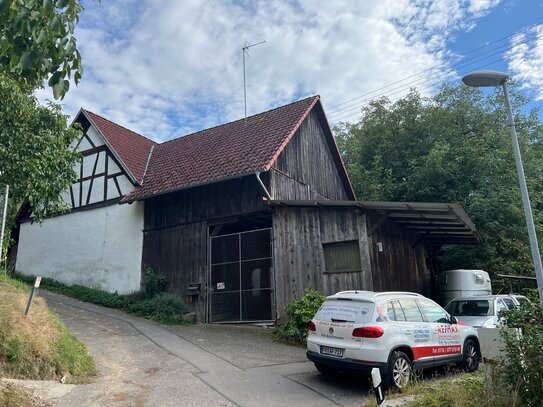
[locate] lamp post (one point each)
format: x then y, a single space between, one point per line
493 78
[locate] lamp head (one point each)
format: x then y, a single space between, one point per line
479 79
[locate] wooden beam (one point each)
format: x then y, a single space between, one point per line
379 223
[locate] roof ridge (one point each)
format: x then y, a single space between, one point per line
238 120
117 124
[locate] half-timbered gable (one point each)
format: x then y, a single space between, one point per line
98 243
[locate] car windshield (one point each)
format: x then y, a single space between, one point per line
345 311
471 308
521 300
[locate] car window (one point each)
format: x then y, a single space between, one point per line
500 306
357 312
471 308
510 303
432 311
411 310
394 311
521 300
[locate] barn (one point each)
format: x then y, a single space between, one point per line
240 218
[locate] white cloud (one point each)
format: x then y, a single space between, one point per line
525 60
167 68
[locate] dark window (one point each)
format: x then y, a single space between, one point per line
342 257
411 310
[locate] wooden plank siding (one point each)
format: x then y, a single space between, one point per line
179 253
298 254
306 169
175 231
400 266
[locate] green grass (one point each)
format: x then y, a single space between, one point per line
164 308
455 390
39 346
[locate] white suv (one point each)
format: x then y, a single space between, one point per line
394 331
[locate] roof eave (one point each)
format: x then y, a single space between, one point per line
110 147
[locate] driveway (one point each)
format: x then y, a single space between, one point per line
142 363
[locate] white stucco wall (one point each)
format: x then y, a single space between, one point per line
99 248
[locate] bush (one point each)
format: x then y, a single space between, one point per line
300 312
165 308
521 370
153 284
151 302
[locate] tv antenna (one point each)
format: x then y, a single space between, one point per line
245 49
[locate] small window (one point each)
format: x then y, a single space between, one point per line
433 312
342 257
411 310
394 311
510 303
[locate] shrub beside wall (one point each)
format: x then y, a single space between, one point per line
521 370
300 311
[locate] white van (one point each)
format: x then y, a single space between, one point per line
464 283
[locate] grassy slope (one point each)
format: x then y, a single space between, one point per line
40 346
463 389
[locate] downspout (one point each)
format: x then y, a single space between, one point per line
263 186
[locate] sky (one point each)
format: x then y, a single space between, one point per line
168 68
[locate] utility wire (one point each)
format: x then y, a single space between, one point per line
465 63
402 88
433 83
460 58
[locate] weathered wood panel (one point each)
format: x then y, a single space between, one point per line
179 254
400 266
229 198
306 169
298 255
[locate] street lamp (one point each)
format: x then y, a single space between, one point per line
480 79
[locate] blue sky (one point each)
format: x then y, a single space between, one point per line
168 68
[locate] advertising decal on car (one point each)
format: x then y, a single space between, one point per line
426 351
448 335
422 334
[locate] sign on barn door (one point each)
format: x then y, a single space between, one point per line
241 280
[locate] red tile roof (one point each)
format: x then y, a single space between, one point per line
226 151
131 148
221 152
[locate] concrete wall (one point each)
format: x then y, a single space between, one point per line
99 248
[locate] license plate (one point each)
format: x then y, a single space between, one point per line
328 350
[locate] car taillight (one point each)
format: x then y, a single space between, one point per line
368 332
311 326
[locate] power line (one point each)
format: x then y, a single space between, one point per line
334 107
402 88
467 62
434 83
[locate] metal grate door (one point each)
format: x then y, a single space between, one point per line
241 277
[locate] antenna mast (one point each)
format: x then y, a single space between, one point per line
245 49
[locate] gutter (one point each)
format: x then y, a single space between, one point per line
257 174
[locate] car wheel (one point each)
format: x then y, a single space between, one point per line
470 356
398 370
326 370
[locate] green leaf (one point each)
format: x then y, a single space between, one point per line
60 89
26 60
4 5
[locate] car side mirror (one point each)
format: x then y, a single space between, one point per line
453 320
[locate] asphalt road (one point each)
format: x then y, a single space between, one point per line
142 363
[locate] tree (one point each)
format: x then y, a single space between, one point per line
37 42
453 147
35 157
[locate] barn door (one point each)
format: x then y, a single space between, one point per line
241 277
